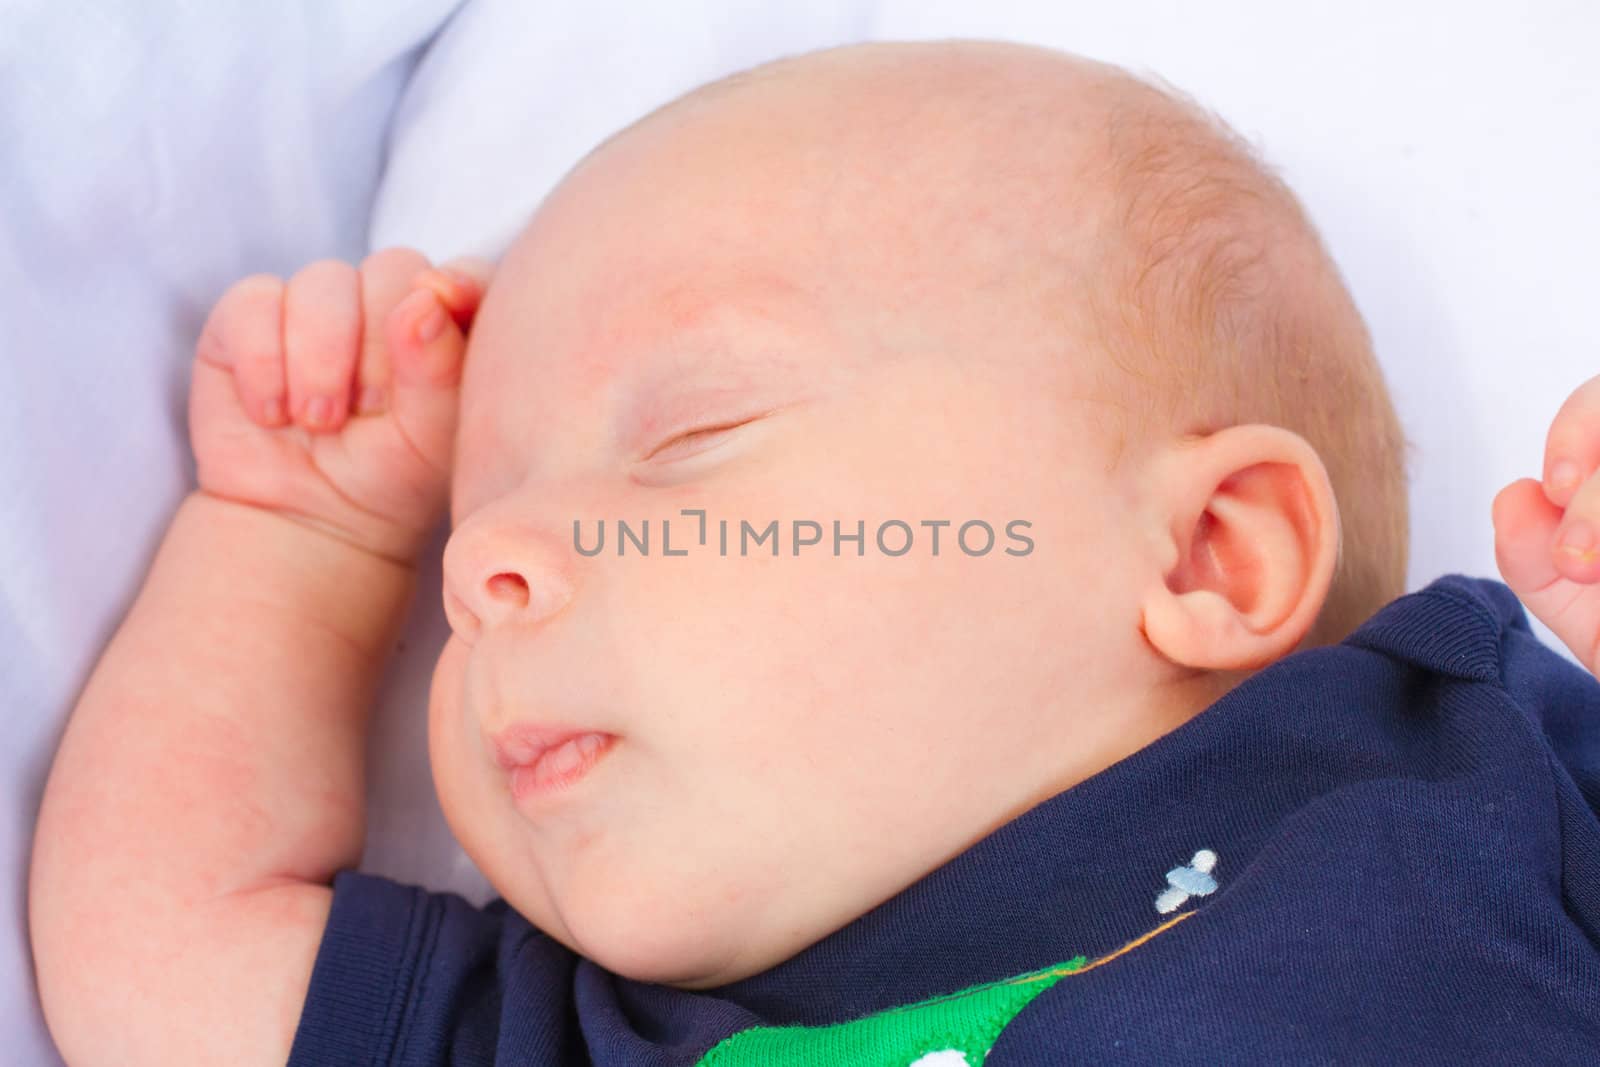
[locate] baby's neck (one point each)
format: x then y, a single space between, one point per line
1167 706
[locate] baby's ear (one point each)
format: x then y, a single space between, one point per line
1248 545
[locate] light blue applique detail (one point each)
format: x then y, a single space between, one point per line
1193 880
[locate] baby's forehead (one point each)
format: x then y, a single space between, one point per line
713 246
649 353
644 328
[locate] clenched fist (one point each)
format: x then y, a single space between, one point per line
1547 533
332 398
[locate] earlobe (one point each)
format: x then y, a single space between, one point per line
1251 536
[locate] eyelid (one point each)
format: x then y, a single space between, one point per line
700 433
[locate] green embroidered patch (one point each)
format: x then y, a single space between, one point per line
967 1022
951 1030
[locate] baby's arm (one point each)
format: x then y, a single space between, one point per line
208 786
210 780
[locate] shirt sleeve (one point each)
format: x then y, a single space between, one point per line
402 975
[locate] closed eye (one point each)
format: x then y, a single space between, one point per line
696 441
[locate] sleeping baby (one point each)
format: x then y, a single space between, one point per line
926 586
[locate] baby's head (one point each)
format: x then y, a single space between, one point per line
929 287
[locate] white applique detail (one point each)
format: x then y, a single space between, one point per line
1193 880
950 1057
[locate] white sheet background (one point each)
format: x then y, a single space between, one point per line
149 156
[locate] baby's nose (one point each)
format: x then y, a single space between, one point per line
499 576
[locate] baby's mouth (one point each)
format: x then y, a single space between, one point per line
542 759
521 744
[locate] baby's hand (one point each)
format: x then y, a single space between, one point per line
1533 522
332 398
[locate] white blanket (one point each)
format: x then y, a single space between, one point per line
150 155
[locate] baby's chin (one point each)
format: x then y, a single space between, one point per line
675 950
642 912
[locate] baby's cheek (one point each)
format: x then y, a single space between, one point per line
449 741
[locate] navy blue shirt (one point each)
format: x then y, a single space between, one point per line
1386 850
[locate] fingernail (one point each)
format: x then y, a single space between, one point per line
272 411
1564 475
317 411
1577 539
430 325
371 399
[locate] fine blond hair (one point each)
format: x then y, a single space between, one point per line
1217 302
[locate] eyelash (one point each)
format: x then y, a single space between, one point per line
690 435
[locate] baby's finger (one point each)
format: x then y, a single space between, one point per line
1525 524
1576 545
1524 529
460 285
1572 447
476 268
321 342
385 281
243 335
427 348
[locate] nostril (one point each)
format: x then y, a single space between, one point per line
508 586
